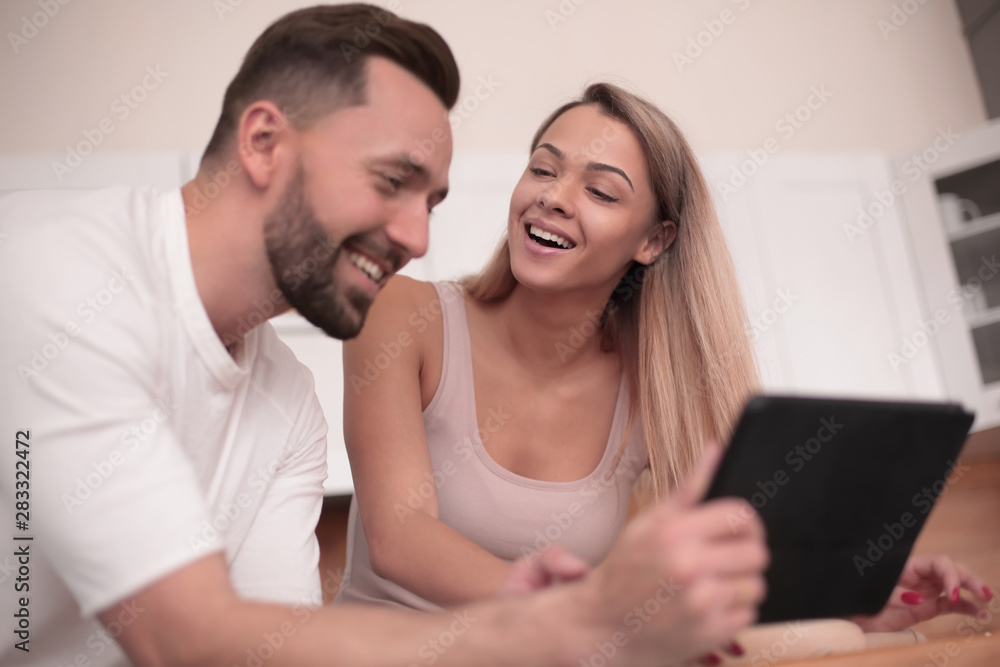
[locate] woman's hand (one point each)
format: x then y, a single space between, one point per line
929 586
551 566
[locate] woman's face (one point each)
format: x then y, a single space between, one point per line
584 208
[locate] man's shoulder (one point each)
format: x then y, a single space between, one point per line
88 265
96 204
57 228
288 383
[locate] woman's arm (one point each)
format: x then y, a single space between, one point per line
391 464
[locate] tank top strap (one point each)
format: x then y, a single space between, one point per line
454 394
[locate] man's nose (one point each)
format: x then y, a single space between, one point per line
408 230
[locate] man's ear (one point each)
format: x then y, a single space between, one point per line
261 135
660 237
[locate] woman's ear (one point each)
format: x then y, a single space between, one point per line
660 237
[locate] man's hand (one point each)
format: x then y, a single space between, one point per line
685 576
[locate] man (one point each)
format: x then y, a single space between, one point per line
172 461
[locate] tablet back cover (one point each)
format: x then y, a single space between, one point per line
843 488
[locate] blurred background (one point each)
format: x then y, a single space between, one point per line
849 146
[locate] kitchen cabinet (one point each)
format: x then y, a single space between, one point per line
953 211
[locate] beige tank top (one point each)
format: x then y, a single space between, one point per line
507 514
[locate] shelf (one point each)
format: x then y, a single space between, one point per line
975 227
991 316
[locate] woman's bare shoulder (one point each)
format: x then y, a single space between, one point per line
397 302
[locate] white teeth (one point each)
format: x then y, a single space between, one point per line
370 268
542 234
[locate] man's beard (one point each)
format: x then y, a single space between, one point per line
303 259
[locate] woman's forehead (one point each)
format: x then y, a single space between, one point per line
585 131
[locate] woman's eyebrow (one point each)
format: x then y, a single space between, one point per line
600 166
592 166
552 149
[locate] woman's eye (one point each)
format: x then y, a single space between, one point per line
538 171
603 196
393 182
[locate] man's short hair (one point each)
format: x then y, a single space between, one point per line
312 61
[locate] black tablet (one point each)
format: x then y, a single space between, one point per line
843 487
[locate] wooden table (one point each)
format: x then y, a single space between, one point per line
965 524
978 651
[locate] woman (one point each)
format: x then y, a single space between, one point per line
605 337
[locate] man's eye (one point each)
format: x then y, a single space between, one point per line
393 182
538 171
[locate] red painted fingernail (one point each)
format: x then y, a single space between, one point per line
736 649
910 597
955 595
987 593
711 659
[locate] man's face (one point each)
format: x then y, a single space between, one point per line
357 207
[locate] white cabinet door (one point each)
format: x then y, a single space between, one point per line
845 296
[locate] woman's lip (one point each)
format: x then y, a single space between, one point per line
550 229
536 249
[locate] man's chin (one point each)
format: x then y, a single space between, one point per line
338 320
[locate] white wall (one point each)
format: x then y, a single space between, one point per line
890 92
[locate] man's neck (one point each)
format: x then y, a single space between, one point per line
228 257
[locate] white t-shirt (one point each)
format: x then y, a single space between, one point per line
149 445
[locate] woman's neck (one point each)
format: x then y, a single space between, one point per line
550 332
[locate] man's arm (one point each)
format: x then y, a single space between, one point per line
193 617
681 583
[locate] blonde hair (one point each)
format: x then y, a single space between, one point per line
684 345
